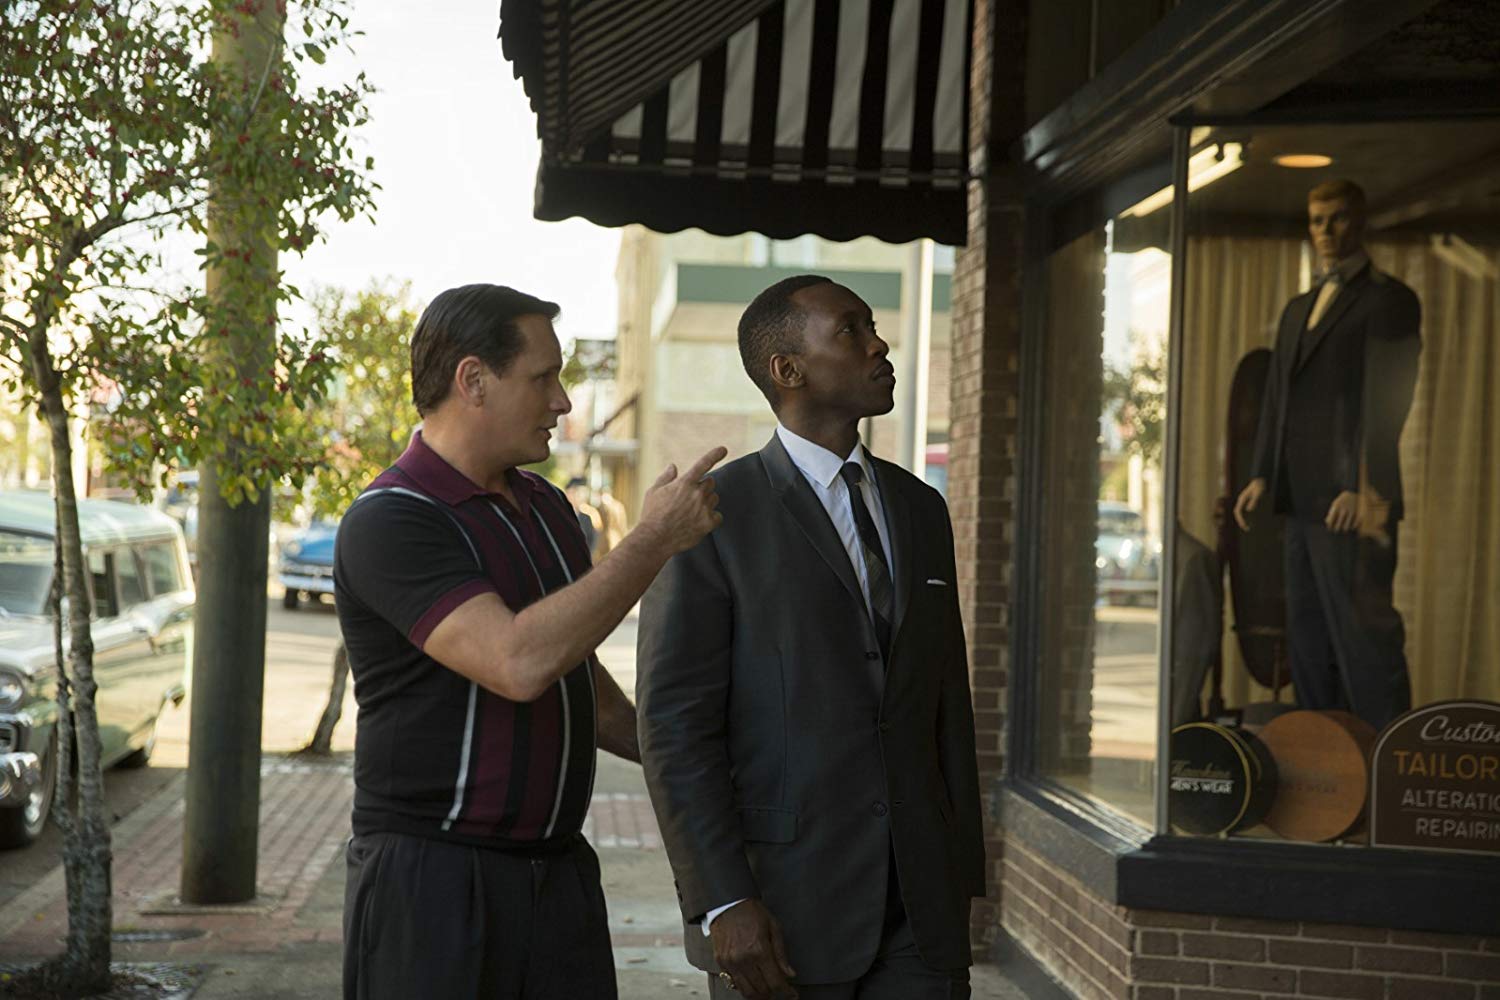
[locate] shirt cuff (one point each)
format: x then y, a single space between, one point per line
709 917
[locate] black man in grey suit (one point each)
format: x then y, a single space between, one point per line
803 693
1327 451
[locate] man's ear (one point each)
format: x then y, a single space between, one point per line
468 381
784 372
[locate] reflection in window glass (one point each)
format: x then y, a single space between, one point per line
1339 442
1105 408
102 584
162 568
26 563
132 588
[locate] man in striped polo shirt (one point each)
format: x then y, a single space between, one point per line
471 615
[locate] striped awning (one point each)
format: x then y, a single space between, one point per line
842 118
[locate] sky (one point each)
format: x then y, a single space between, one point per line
455 148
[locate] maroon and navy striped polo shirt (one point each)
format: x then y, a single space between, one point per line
436 755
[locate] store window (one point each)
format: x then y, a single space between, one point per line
1338 505
1104 418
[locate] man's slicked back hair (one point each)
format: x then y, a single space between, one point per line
772 324
1342 189
477 320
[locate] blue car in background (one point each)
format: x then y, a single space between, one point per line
306 566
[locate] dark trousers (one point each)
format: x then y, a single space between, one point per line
431 919
1346 636
898 972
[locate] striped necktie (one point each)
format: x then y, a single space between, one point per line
877 572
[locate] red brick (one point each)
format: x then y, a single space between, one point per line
1430 989
1318 954
1340 932
1193 993
1231 946
1463 965
1447 942
1157 943
1384 959
1341 984
1162 918
1246 925
1254 977
1153 993
1169 970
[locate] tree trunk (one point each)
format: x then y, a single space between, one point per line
322 741
221 825
78 808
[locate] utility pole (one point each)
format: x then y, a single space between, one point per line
916 345
221 825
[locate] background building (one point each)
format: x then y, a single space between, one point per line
681 296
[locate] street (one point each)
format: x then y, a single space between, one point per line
299 660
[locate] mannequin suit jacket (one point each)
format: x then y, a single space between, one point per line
785 759
1338 394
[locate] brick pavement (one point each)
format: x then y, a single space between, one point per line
304 821
287 943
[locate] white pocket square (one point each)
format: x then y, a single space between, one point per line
938 583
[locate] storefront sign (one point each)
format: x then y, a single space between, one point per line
1435 783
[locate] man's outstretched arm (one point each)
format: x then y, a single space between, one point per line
520 655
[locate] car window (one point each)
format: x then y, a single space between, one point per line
162 568
131 588
25 573
1121 522
102 583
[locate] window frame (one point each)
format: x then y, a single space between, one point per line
1123 861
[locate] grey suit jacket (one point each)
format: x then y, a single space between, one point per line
785 759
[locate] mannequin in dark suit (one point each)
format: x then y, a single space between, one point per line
810 758
1340 386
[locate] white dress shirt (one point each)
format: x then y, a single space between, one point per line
1335 278
820 467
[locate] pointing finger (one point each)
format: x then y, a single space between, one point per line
710 458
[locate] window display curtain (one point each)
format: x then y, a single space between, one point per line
1448 573
1236 288
1448 570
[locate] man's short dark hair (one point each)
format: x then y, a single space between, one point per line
772 324
1340 190
478 320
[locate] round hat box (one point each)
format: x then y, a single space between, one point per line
1323 759
1221 779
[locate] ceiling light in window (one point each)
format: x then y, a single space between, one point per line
1303 161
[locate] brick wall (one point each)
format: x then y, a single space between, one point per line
985 352
1099 951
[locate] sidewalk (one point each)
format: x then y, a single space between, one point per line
286 944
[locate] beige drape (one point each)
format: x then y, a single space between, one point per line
1448 570
1448 573
1236 289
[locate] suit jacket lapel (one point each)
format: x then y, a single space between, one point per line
1336 309
808 512
898 528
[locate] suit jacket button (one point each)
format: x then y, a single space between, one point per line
885 727
880 809
871 655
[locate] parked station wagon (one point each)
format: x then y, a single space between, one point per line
142 624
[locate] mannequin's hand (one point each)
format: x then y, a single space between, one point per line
1343 513
1248 498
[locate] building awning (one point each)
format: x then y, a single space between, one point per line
841 118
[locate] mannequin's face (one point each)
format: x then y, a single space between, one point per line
1336 228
